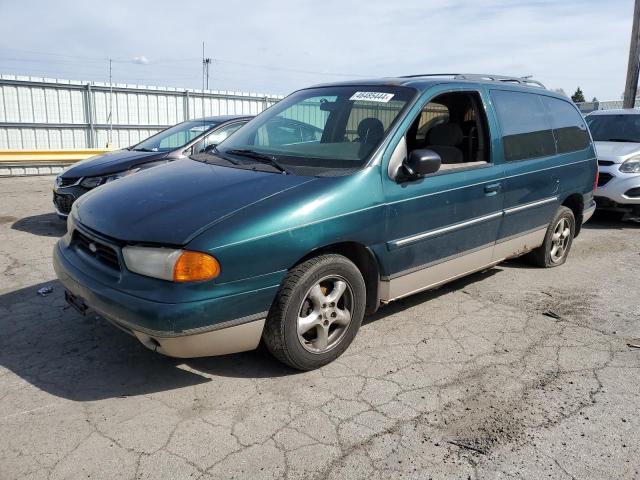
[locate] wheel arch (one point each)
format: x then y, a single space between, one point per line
364 259
575 202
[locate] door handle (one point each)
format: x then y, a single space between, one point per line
492 188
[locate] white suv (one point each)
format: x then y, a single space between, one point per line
616 134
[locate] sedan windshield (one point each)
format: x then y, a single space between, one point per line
326 131
615 128
175 137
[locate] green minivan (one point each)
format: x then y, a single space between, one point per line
334 201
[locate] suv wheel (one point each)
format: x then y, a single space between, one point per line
557 241
317 312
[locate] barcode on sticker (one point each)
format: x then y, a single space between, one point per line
372 96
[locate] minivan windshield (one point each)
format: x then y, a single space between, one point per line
615 128
324 131
175 137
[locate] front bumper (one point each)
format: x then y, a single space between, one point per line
218 335
64 197
617 186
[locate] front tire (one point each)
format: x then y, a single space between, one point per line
557 241
317 312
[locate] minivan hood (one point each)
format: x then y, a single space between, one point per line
172 204
616 152
111 162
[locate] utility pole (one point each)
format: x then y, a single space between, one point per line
205 77
206 62
110 106
631 86
203 68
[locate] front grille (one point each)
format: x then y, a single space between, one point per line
63 202
604 178
633 193
605 163
103 253
65 182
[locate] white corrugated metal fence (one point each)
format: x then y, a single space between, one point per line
50 114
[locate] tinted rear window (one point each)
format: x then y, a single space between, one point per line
526 132
569 127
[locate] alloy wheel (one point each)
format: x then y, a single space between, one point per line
325 314
560 240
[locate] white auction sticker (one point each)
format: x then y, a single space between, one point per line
372 96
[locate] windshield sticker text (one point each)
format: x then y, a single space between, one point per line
372 96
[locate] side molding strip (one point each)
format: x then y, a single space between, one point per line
433 233
439 231
538 203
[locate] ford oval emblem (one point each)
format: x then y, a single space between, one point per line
92 247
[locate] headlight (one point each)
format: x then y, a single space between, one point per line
631 166
93 182
70 226
169 264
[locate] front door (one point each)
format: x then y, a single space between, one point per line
444 225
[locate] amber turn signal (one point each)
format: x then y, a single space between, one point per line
195 266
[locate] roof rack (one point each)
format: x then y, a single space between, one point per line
527 80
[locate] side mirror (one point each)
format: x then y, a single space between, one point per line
422 162
210 147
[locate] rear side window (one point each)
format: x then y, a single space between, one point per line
569 128
526 132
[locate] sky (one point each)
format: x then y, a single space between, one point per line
277 46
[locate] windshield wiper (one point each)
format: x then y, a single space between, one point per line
144 150
261 157
620 140
219 154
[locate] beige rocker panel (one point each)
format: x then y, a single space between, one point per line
239 338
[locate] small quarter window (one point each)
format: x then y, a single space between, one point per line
526 132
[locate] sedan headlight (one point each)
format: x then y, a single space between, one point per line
169 264
93 182
631 166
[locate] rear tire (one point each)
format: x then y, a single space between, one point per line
557 242
317 312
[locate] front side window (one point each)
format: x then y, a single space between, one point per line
217 137
326 131
432 114
526 132
569 128
615 128
454 126
175 137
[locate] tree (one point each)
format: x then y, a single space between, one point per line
595 100
578 96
